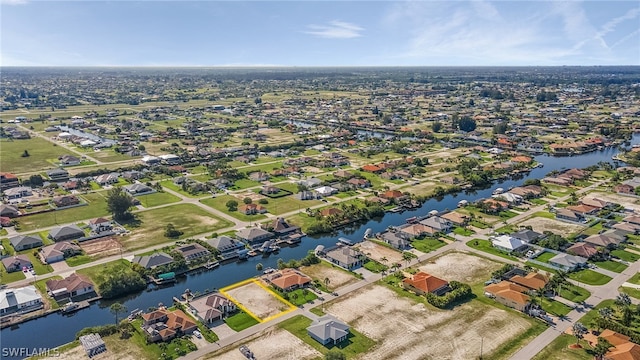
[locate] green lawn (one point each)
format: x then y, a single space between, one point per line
97 207
300 297
375 266
574 293
355 344
611 265
537 201
287 204
6 278
173 349
78 260
590 277
630 291
177 188
95 272
486 246
240 321
39 267
545 257
554 307
544 214
155 199
219 202
427 245
478 224
148 229
6 244
559 350
462 231
265 167
41 285
40 152
625 255
635 279
244 184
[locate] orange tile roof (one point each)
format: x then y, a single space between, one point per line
425 282
505 285
290 278
524 159
626 351
533 280
613 337
371 168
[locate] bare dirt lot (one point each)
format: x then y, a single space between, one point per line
461 267
541 225
626 201
273 343
251 195
414 331
101 247
117 349
337 277
257 300
377 252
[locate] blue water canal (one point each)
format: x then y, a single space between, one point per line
57 329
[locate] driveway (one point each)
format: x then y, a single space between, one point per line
222 329
60 266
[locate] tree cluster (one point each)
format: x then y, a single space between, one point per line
119 283
459 291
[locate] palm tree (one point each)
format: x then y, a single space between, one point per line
396 266
117 308
578 331
601 348
606 312
327 281
623 300
406 256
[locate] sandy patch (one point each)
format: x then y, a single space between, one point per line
257 300
204 219
117 349
312 169
413 331
540 224
461 267
377 252
101 247
337 277
626 201
251 195
273 343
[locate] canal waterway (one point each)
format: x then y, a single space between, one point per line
57 329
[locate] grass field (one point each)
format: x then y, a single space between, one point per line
96 272
554 307
219 202
625 255
611 265
148 229
6 277
545 257
427 245
287 204
590 277
155 199
300 297
97 206
486 246
355 344
630 291
171 186
240 321
40 152
574 293
559 350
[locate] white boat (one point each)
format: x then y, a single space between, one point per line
463 203
498 191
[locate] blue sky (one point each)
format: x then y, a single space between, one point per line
318 33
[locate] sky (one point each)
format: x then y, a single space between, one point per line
319 33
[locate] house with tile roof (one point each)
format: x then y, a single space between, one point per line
164 325
345 257
422 283
532 281
509 294
288 280
59 251
16 263
583 249
73 285
211 307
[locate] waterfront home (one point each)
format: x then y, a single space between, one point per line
193 251
228 247
254 235
422 283
164 325
153 261
281 226
328 330
73 285
288 280
59 251
20 299
24 242
345 257
509 294
437 223
395 241
212 307
456 218
66 232
16 263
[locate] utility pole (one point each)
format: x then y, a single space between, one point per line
481 346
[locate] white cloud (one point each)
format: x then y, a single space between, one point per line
335 30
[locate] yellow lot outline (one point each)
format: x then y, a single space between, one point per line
224 292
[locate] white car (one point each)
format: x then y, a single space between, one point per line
198 334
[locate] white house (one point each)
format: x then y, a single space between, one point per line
20 299
326 190
507 243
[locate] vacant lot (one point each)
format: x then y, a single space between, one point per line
97 206
461 267
378 252
101 247
159 198
337 277
541 225
626 201
150 225
40 152
273 343
258 300
413 331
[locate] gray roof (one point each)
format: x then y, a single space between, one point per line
436 222
328 327
225 243
153 260
567 260
22 260
57 172
25 240
137 188
66 231
526 235
8 209
252 233
344 255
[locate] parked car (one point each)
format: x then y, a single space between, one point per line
197 334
